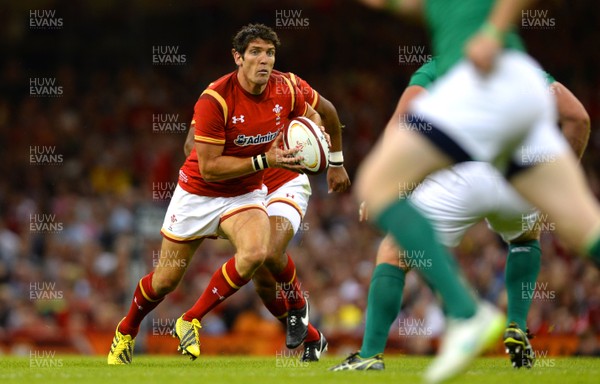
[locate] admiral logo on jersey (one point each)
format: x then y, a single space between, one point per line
243 140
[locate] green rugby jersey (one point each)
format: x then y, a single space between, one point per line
453 22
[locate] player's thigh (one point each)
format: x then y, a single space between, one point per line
559 189
395 165
249 232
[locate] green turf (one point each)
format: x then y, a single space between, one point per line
51 369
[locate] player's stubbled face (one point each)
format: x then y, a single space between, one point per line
258 62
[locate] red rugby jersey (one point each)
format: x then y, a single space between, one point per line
276 177
244 124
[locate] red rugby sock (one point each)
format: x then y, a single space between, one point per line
144 301
288 282
225 282
277 308
312 335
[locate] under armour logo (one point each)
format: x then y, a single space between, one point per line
235 119
289 195
278 108
173 219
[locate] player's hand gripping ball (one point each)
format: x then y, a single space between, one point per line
307 137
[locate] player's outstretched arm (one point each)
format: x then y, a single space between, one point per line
573 118
337 177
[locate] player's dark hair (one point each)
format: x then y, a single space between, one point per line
251 32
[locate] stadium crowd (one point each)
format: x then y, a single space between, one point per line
87 172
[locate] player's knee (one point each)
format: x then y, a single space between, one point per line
165 284
388 251
388 248
275 260
251 258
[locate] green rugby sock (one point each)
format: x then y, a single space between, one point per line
424 253
383 306
522 269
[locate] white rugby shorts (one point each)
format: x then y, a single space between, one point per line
190 216
290 201
508 116
457 198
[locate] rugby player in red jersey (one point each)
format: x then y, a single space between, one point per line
220 190
287 201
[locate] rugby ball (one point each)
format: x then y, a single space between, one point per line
305 135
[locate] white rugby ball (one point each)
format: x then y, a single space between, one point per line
305 135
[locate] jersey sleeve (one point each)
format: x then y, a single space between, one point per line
310 95
209 120
300 106
425 75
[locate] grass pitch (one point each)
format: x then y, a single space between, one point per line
50 369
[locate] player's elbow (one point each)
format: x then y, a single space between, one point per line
576 124
187 147
209 176
209 172
582 121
